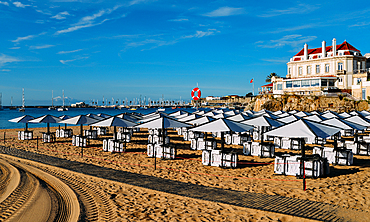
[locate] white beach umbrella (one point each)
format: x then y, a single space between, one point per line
238 117
365 113
359 120
63 118
263 121
293 112
315 112
79 120
190 117
114 121
288 119
223 125
302 114
46 119
330 115
347 125
177 113
283 115
344 115
201 120
199 112
22 119
128 116
315 117
103 115
181 116
95 116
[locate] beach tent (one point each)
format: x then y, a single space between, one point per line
201 120
46 119
344 115
238 117
304 129
346 125
315 117
79 120
190 117
222 125
359 120
104 115
288 119
177 113
22 119
114 121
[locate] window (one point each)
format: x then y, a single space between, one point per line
327 68
340 79
317 68
288 84
305 83
300 70
331 82
315 82
354 65
296 83
279 86
340 65
358 81
308 69
324 82
289 71
274 86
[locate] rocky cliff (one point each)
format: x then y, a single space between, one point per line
306 103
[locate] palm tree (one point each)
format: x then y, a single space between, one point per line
269 77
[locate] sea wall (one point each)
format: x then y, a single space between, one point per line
306 103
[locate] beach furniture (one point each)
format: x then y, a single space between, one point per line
194 135
258 149
25 135
64 133
335 156
91 134
219 158
291 165
101 130
203 144
158 151
78 140
125 136
48 137
114 146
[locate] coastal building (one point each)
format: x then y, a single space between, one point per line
316 71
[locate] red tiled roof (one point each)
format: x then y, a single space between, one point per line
297 59
268 85
344 46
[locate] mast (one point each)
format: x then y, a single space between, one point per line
23 106
63 98
1 101
52 98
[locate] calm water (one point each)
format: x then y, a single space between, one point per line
7 114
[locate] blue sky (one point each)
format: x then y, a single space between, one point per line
124 49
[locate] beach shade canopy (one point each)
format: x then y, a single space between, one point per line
365 113
356 113
279 112
302 114
315 112
288 119
220 116
64 117
177 113
330 115
223 125
22 119
104 115
304 129
315 117
238 117
231 112
263 121
152 117
201 120
359 120
344 115
163 122
95 116
190 117
210 113
114 121
46 119
181 116
293 112
79 120
347 125
128 117
283 115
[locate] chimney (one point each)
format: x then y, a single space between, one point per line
334 47
323 49
305 52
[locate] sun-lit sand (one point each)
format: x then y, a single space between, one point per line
347 186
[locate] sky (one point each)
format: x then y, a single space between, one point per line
149 48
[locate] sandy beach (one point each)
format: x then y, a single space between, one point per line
346 186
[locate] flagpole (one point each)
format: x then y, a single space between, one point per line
253 86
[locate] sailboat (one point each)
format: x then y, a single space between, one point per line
23 108
52 101
1 102
62 108
11 104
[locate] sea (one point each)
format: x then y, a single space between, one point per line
7 114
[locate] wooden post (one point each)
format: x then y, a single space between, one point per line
37 143
303 164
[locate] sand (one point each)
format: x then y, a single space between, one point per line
346 186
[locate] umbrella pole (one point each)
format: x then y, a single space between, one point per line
124 130
115 133
81 130
26 126
302 164
222 141
65 126
48 126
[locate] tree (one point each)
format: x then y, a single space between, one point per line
269 77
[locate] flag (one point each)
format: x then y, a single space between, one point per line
251 81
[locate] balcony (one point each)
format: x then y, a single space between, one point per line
341 72
361 71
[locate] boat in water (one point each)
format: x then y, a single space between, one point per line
61 109
161 109
52 102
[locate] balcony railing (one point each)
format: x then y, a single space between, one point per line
360 71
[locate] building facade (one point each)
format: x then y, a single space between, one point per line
326 69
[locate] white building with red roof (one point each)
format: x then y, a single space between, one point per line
319 70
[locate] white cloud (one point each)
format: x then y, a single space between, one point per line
19 5
135 2
61 15
77 27
288 40
200 34
72 60
179 20
299 9
67 52
15 48
4 3
27 37
7 59
225 11
41 46
5 70
360 24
